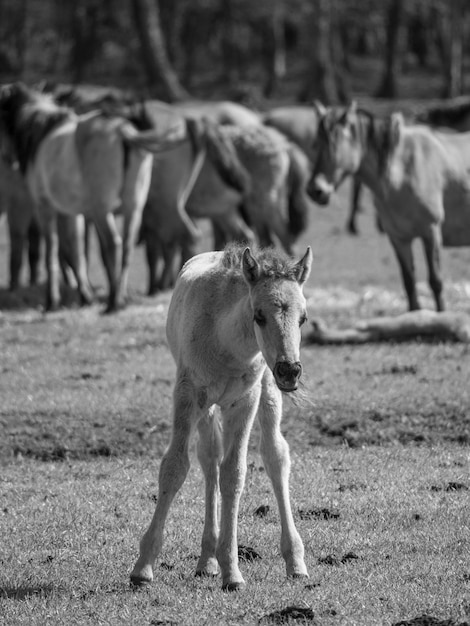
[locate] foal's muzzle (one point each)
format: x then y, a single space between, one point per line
287 374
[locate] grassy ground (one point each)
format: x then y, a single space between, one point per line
381 437
393 546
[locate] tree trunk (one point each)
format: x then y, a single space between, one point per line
321 81
162 78
388 86
454 64
274 51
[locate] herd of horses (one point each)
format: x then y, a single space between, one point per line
70 161
235 316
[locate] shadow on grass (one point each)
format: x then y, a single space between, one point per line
23 593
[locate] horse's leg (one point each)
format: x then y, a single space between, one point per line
72 245
432 249
173 470
404 255
34 250
237 422
275 452
17 241
111 247
209 451
355 207
152 254
131 225
49 224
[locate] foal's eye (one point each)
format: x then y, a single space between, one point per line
259 318
303 319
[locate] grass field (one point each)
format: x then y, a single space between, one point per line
380 441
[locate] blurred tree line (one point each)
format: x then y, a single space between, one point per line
174 49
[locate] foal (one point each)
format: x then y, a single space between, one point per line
234 331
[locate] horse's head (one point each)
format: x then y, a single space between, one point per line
279 310
338 151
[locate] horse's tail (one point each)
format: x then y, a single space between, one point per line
221 151
299 204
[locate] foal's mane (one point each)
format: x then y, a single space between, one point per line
28 116
272 262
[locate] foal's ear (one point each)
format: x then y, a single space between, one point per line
250 267
303 266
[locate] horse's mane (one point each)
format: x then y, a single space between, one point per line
273 263
28 116
377 132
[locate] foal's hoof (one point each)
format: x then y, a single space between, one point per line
233 586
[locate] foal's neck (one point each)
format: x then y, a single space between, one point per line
236 332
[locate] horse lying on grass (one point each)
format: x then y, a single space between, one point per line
93 165
234 331
418 178
439 326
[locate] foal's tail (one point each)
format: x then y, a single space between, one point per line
221 152
299 204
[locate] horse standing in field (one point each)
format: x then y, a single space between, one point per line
92 165
300 125
234 329
419 179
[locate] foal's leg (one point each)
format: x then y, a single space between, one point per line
209 451
173 470
237 422
275 452
111 248
432 250
404 255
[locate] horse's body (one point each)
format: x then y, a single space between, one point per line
275 202
417 177
93 166
234 331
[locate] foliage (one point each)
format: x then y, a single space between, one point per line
229 43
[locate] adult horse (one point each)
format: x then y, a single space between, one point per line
92 165
234 331
417 176
275 204
300 125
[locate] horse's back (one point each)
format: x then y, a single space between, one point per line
221 112
298 123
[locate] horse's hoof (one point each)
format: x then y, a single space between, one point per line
140 582
298 576
233 586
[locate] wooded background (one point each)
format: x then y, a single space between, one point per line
246 50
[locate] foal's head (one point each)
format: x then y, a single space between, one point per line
339 151
279 310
